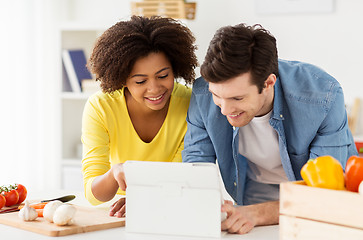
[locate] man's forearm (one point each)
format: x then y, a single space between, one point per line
266 213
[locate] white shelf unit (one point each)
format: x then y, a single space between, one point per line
73 36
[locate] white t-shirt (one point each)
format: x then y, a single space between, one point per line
259 143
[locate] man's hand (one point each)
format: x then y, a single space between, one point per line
118 208
242 219
238 219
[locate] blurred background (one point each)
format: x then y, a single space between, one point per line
40 115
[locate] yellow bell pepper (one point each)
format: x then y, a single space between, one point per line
323 172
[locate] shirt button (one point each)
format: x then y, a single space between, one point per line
235 184
234 128
281 116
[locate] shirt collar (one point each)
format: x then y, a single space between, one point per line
277 112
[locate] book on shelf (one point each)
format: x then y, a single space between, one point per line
74 61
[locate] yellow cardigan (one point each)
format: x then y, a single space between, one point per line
109 137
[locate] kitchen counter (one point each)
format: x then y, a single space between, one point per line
258 233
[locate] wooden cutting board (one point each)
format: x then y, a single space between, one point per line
85 220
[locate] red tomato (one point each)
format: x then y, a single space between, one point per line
353 173
12 197
22 192
2 201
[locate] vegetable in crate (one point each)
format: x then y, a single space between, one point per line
360 188
353 173
323 172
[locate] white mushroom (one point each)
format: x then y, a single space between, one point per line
50 208
64 215
27 213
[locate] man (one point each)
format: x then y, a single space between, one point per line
267 118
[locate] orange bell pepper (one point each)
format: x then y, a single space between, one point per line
354 173
323 172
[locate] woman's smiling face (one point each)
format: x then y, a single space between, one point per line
151 81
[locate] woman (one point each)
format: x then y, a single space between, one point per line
140 113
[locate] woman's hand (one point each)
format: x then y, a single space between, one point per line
104 187
119 175
118 208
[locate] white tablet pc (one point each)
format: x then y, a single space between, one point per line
173 198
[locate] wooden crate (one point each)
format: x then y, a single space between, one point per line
190 10
317 213
168 8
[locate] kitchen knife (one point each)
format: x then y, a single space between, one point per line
66 198
62 199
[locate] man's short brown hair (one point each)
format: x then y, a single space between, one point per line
239 49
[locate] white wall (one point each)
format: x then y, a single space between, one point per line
29 100
332 41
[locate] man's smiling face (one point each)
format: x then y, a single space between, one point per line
240 100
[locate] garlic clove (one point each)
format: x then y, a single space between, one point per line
64 215
27 213
49 210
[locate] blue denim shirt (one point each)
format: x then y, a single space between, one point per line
308 114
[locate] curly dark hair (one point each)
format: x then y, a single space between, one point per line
119 47
239 49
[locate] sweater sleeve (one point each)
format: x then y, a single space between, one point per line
95 139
